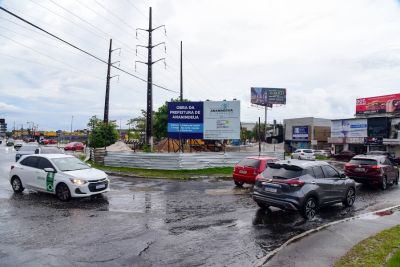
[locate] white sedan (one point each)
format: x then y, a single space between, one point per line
62 175
306 154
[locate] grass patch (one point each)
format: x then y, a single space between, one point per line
320 157
225 172
394 261
373 251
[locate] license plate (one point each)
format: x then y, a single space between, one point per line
99 186
269 189
243 172
359 169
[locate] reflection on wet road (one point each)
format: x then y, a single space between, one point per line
153 222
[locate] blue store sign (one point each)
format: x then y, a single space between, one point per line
185 120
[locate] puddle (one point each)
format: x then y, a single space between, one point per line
228 191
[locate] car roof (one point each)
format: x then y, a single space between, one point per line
54 156
369 157
261 158
302 163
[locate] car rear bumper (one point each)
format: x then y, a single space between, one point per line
366 179
275 202
244 178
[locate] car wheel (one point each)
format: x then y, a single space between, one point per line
17 184
396 181
262 205
350 197
310 208
239 184
62 192
384 183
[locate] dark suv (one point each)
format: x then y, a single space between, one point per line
377 170
302 186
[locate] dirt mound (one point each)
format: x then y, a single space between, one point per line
119 146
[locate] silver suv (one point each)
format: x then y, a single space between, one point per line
302 186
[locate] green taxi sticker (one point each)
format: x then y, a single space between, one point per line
50 182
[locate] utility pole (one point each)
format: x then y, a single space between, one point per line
109 77
181 94
70 134
149 63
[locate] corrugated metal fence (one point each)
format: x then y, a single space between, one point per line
176 161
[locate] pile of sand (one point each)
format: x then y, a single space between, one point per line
118 146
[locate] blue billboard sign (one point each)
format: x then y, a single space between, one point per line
300 133
185 120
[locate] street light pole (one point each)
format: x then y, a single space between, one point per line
70 134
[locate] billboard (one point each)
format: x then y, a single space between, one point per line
379 127
378 104
300 133
221 120
185 120
268 96
349 128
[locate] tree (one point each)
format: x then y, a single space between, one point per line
103 134
138 125
93 121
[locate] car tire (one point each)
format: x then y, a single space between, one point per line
16 184
62 192
239 184
262 206
396 181
384 183
350 197
310 208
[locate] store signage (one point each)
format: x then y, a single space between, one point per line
185 120
300 133
378 104
349 128
373 141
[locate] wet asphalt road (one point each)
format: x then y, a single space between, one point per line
153 223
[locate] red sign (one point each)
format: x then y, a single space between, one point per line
378 104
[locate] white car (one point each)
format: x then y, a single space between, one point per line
306 154
62 175
324 153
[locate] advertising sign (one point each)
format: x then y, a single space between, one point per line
373 141
378 127
221 120
378 104
185 120
268 96
300 133
349 128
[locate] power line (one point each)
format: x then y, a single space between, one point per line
80 49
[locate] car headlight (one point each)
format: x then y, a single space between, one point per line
78 181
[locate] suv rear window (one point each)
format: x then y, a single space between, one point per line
282 171
255 163
371 162
307 151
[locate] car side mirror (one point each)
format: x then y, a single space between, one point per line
342 175
49 170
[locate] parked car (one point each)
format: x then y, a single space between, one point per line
74 146
10 142
324 153
18 144
248 168
48 150
302 186
344 155
389 155
48 142
306 154
25 150
62 175
372 169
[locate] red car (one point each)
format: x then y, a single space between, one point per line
74 146
48 142
377 170
344 155
248 168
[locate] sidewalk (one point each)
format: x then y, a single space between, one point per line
326 247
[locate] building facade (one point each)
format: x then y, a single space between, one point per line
308 132
3 127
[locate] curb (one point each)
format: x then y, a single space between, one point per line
271 254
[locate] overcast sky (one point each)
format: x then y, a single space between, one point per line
326 53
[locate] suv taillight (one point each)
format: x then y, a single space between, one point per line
301 153
295 182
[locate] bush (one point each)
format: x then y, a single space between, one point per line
103 135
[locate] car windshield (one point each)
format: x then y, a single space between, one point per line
249 163
282 171
69 164
371 162
307 151
28 148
